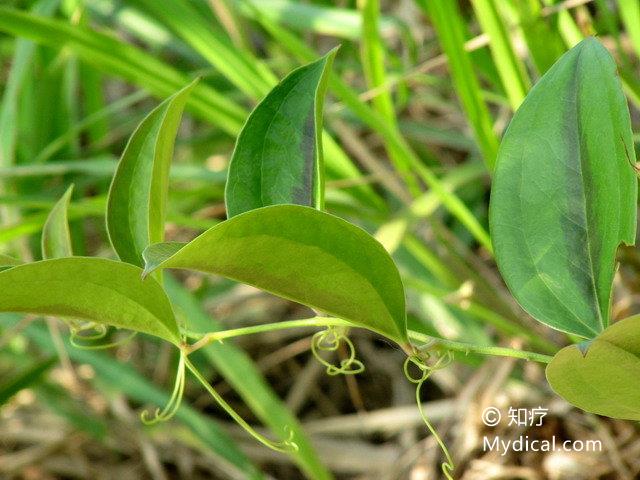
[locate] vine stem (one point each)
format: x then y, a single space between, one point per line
467 348
427 340
208 338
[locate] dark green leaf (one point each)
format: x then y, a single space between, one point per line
56 238
278 156
603 378
564 194
138 194
302 254
91 289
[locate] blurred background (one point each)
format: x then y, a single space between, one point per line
422 90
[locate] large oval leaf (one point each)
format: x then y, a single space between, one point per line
278 155
91 289
302 254
564 194
602 376
138 193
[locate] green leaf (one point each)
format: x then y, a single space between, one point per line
278 155
564 194
302 254
56 238
91 289
604 379
138 195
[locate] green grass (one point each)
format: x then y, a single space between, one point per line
427 93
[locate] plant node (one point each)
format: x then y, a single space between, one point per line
329 340
419 360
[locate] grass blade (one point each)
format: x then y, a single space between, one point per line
372 54
630 15
318 18
24 379
511 69
240 67
115 57
446 18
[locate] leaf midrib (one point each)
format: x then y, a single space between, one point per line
584 197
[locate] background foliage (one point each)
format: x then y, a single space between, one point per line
420 95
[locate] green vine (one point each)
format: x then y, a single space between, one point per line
419 360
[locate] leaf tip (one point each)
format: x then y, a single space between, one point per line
69 190
148 270
584 347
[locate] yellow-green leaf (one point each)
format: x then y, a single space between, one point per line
302 254
601 376
90 289
138 194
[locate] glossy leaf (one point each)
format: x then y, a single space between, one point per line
278 155
91 289
56 238
564 194
603 379
137 198
302 254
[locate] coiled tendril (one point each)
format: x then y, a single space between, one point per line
98 331
174 401
425 372
329 340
